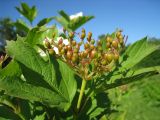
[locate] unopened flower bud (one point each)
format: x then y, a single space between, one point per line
93 54
47 44
92 41
74 43
51 51
83 35
118 34
116 56
115 44
86 46
89 36
71 35
108 57
109 39
69 48
69 54
74 57
108 45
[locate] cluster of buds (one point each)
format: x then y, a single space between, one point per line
86 57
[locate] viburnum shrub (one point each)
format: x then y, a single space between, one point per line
88 59
49 75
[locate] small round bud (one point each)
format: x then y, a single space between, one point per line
74 43
93 54
85 53
69 48
71 35
69 54
62 51
51 51
92 47
92 41
118 34
89 36
108 45
115 44
108 57
83 35
116 56
86 46
109 39
74 57
47 44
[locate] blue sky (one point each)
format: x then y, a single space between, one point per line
137 18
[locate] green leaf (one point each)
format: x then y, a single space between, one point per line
40 117
72 24
8 71
28 12
137 52
44 21
64 15
38 34
78 22
14 86
21 25
55 74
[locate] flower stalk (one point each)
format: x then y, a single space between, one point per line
83 85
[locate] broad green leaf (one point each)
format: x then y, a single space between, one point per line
78 22
38 34
44 21
137 52
124 80
55 74
14 86
21 25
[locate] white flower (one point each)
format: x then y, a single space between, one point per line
65 41
76 15
42 53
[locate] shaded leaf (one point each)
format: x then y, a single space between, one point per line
44 21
